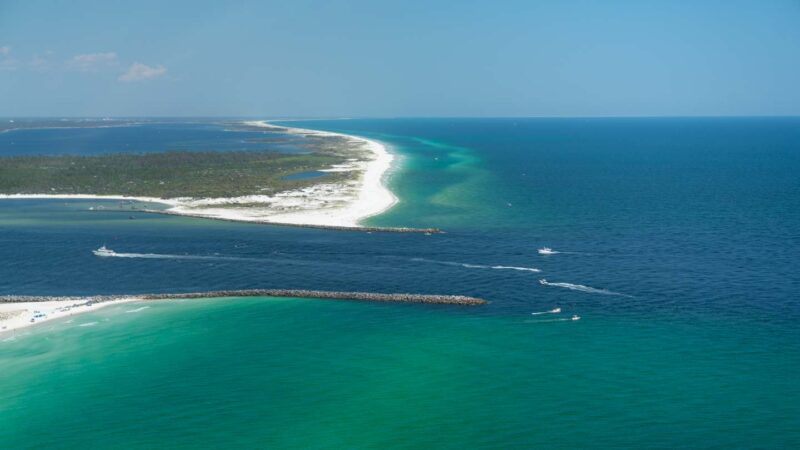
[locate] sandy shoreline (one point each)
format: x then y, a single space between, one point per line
21 311
344 204
15 316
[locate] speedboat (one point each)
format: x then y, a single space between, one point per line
555 311
547 251
576 317
104 251
543 282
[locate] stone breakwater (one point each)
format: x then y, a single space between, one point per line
282 224
332 295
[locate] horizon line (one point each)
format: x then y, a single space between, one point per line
285 118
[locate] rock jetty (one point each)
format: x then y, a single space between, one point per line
332 295
296 225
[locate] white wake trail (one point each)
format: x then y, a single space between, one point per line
565 319
552 311
522 269
582 288
166 256
475 266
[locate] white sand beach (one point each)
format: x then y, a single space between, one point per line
344 204
17 315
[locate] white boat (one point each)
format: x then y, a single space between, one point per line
547 251
104 251
576 317
543 282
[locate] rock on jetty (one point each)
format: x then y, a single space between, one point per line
333 295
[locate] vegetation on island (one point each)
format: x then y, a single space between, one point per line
169 174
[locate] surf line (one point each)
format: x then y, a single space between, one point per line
582 288
475 266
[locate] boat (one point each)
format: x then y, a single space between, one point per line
543 282
547 251
576 317
555 311
104 251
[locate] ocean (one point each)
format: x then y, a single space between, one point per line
679 243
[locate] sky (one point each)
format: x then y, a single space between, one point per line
340 58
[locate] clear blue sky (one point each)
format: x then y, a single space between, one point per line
399 58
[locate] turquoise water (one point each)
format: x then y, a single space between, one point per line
680 242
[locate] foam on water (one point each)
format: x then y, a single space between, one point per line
142 308
88 324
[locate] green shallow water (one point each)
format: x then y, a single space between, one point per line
297 373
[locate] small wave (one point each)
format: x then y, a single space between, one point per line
137 309
582 288
475 266
88 324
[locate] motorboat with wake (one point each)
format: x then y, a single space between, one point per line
547 251
104 251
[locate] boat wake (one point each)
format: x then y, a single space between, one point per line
475 266
168 256
137 309
564 319
582 288
552 311
522 269
549 251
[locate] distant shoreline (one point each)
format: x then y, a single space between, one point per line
352 203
